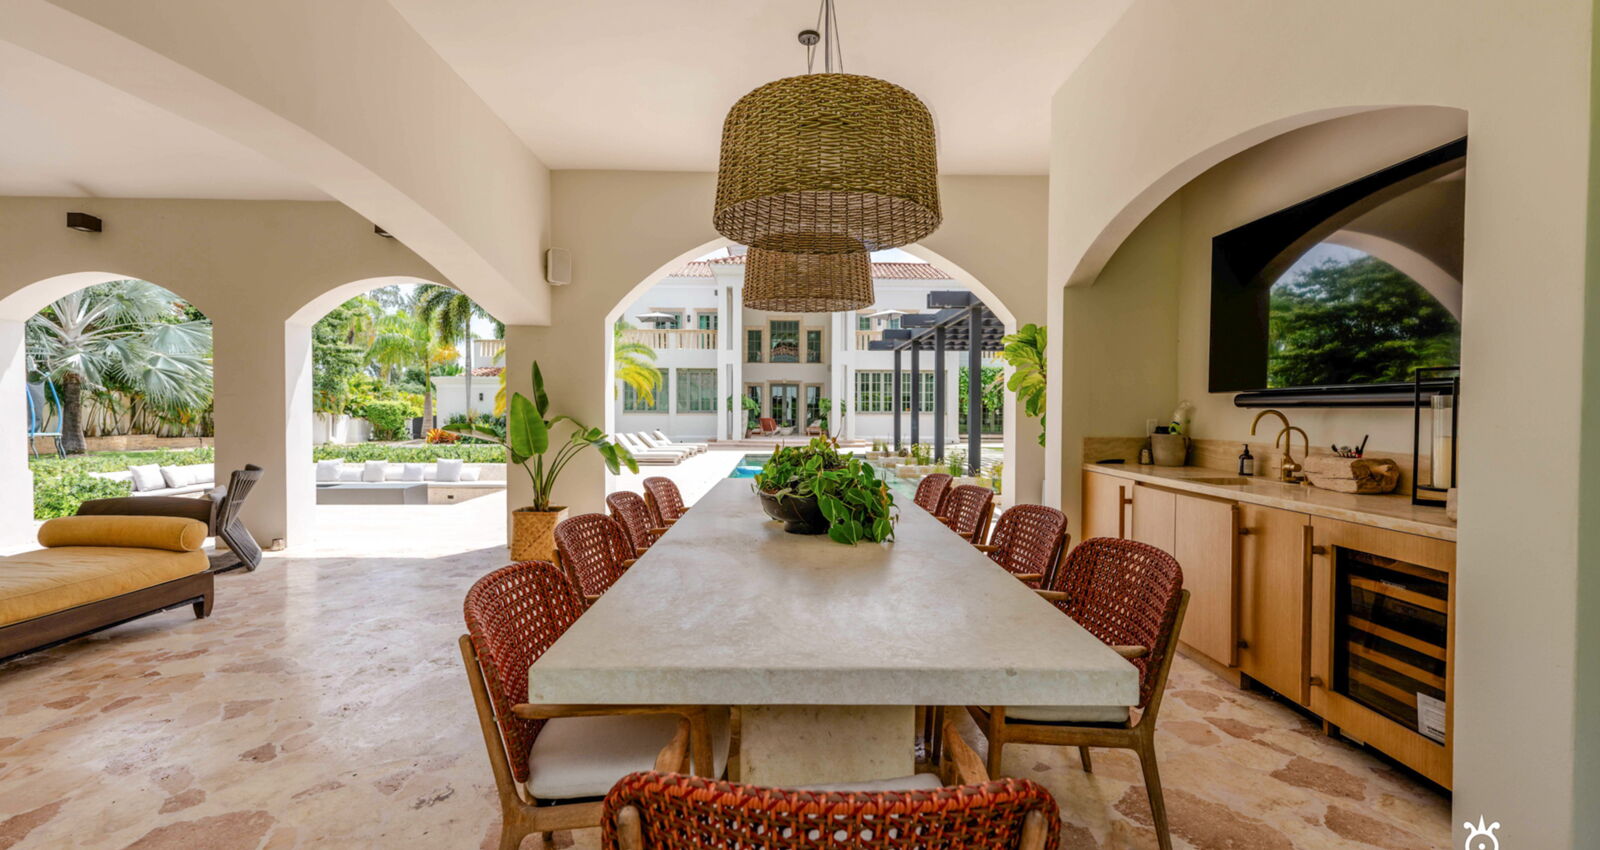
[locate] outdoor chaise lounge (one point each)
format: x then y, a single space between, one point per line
658 440
94 572
644 454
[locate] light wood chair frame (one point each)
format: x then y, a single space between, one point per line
521 814
1139 736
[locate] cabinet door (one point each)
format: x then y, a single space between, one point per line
1274 599
1153 517
1104 505
1206 534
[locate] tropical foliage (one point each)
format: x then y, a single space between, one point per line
449 312
61 484
529 424
635 363
857 505
1024 350
1355 322
125 343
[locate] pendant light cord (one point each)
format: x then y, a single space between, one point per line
832 46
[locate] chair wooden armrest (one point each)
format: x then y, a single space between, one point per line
674 757
667 523
985 548
591 598
1028 576
639 553
628 562
1131 651
961 763
658 531
1051 595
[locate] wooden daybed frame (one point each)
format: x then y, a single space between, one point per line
59 627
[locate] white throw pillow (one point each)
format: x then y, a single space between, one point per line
470 474
411 472
328 470
202 473
148 477
449 469
177 476
373 470
349 473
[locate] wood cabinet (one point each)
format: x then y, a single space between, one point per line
1274 608
1154 510
1106 505
1206 544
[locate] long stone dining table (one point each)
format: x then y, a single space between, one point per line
826 649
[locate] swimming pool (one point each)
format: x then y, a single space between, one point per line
903 488
749 465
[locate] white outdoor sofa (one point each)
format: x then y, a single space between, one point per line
459 473
152 480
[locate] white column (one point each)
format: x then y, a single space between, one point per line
16 493
263 416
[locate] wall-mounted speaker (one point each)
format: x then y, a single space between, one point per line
558 266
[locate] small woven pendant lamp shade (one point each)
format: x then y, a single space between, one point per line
827 164
807 283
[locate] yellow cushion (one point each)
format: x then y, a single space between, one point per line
45 581
175 534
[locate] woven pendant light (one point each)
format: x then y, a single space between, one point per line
828 163
807 283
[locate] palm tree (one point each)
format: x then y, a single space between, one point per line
403 340
450 313
631 366
126 335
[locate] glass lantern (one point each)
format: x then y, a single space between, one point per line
1436 409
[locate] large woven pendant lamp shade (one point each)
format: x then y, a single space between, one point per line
807 283
828 163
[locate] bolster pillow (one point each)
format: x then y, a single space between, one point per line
175 534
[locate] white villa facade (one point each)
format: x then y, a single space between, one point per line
711 350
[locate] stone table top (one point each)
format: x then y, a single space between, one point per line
728 609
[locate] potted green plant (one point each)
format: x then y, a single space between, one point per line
814 489
529 425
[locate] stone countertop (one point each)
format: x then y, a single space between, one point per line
1392 511
728 609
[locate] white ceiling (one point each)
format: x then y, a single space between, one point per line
645 85
63 133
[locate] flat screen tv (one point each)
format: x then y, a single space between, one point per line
1338 299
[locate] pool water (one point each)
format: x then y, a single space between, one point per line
903 488
749 465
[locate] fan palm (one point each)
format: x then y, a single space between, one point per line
403 341
127 335
450 313
632 369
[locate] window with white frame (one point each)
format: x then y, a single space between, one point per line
875 392
697 391
634 402
813 346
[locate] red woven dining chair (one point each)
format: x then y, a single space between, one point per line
1027 541
595 552
552 764
664 501
931 490
664 811
630 511
966 511
1129 595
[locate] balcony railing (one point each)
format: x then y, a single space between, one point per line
864 337
691 339
484 351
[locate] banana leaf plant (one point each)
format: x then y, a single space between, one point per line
529 426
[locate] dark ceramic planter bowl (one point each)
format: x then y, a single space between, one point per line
799 514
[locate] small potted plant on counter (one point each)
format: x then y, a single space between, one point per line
814 489
528 431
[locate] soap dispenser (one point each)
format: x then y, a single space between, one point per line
1247 461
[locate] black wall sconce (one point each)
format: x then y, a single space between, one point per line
381 232
83 222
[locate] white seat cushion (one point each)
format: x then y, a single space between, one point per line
469 474
374 470
914 782
1068 713
576 757
328 470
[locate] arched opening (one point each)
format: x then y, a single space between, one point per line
112 378
689 366
396 368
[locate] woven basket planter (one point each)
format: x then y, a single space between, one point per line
533 533
807 283
827 164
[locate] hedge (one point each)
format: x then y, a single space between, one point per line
360 452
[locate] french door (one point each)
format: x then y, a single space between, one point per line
785 404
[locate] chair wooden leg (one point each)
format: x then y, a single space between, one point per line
1083 756
1152 787
935 734
997 739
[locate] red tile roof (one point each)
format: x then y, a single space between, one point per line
880 271
486 371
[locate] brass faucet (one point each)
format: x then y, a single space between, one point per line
1289 470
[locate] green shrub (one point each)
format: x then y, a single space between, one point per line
388 418
480 453
58 490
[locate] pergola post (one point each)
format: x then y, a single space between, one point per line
916 393
896 401
938 393
974 388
